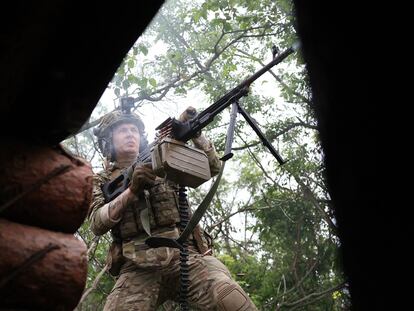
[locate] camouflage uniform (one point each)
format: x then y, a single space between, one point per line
147 277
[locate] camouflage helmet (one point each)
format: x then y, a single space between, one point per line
104 131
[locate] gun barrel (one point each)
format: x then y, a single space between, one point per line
241 89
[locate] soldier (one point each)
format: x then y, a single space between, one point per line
147 277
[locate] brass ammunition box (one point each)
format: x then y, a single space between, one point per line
180 163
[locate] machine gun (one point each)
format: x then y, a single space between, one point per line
174 134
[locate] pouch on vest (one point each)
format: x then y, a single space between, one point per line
132 224
164 203
145 257
114 259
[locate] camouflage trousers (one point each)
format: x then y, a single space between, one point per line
211 287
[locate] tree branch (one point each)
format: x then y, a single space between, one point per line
314 296
94 285
278 79
273 137
246 209
308 195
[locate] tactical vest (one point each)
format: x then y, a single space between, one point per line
159 205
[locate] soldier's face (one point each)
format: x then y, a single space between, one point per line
126 139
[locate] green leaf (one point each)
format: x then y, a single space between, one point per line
143 82
131 63
143 49
132 79
227 26
153 82
196 17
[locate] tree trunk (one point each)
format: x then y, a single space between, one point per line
40 269
44 187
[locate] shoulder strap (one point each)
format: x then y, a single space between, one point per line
201 209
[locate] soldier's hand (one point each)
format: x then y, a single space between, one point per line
142 178
189 114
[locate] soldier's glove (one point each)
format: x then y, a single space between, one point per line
189 114
199 140
142 178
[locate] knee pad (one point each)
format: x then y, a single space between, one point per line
231 297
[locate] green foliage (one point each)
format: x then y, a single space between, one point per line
97 250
